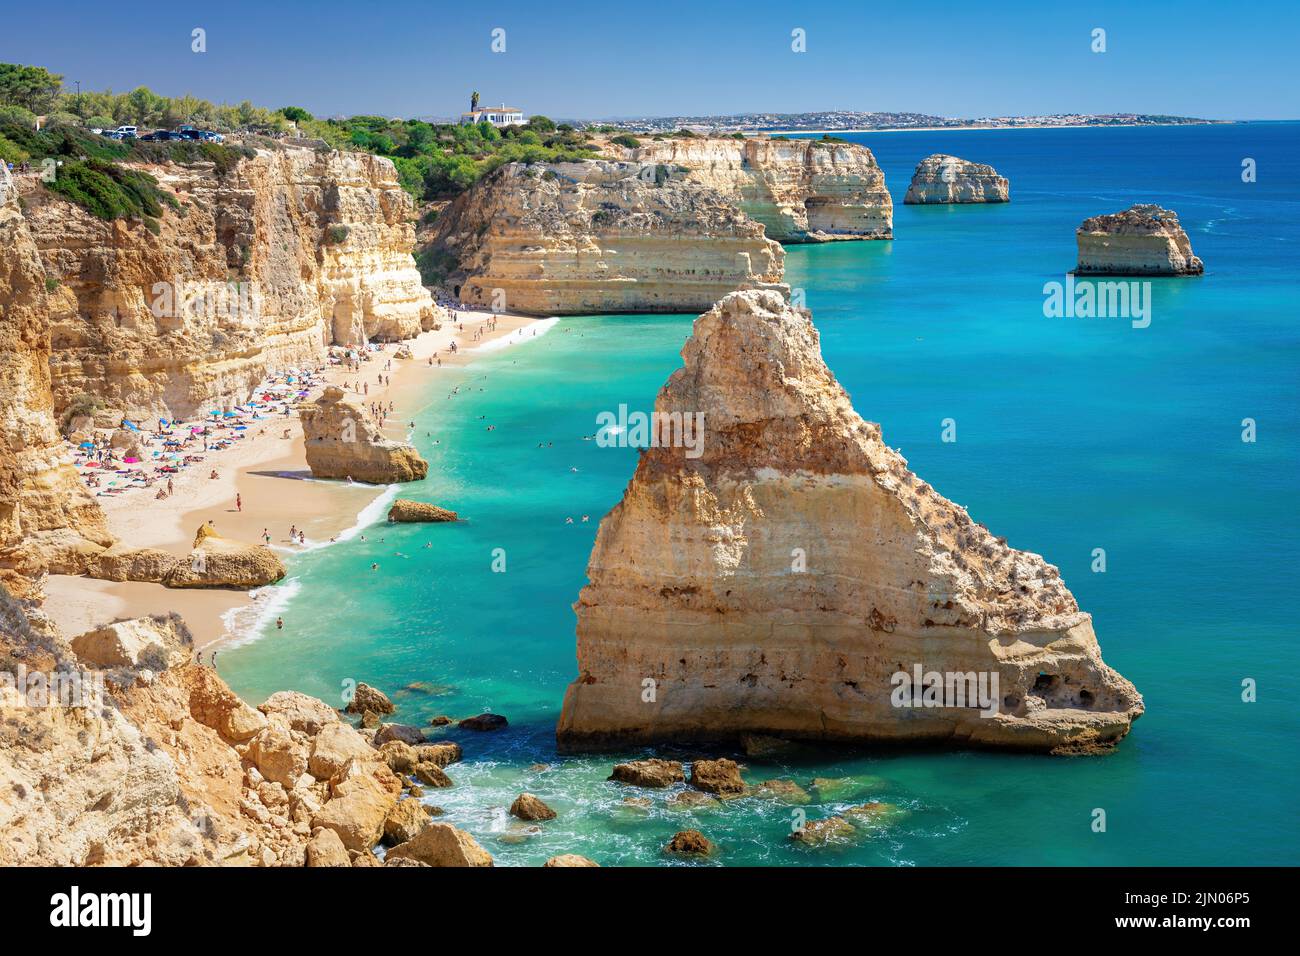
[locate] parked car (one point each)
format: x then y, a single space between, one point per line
125 132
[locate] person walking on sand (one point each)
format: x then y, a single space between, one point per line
266 536
239 501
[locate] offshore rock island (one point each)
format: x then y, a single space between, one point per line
948 179
696 581
1143 240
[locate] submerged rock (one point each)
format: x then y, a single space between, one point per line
786 791
947 179
1143 240
569 859
794 569
824 831
342 442
717 776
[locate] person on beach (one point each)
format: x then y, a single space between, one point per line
279 624
266 537
169 487
239 502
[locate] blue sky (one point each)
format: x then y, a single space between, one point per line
576 59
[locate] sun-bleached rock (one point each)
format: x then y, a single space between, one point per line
342 442
326 849
1143 240
404 510
152 642
653 772
405 821
219 562
801 190
598 237
441 844
367 698
780 582
301 712
941 178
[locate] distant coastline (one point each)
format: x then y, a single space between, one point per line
964 129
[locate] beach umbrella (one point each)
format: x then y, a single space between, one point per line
227 414
87 444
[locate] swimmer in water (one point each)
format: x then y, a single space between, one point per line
375 566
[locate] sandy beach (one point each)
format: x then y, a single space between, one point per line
269 473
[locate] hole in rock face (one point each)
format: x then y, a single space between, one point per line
1086 698
1046 682
1011 702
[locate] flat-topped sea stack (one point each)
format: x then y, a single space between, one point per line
597 237
779 578
941 178
342 442
1144 240
802 190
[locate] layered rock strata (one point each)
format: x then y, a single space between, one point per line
941 178
343 443
1144 240
801 190
596 237
48 521
257 268
781 582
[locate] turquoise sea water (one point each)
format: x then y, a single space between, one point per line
1073 434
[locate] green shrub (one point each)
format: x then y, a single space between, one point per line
51 283
335 235
109 191
626 139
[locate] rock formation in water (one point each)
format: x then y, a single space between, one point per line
342 442
948 179
48 521
1143 240
405 510
780 582
801 190
593 237
260 267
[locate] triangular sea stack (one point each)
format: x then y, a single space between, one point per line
777 582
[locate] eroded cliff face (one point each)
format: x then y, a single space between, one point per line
155 760
594 237
259 268
1144 240
800 190
778 582
949 179
48 521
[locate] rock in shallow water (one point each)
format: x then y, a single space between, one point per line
1143 240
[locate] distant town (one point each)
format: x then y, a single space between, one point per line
854 120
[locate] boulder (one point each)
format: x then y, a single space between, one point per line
277 755
217 562
405 510
367 698
569 859
787 791
305 714
721 777
326 849
334 747
406 733
153 642
649 773
690 843
404 821
441 754
432 774
529 807
441 844
484 722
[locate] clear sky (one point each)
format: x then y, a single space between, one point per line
575 59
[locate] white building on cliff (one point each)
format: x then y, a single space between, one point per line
496 115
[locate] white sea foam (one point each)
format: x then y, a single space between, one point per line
245 623
529 332
370 514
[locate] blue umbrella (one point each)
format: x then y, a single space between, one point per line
87 444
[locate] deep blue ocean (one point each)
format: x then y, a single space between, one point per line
1072 434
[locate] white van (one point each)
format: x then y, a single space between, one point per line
125 131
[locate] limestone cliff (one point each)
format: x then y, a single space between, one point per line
258 267
778 582
801 190
47 519
342 442
1143 240
948 179
598 236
